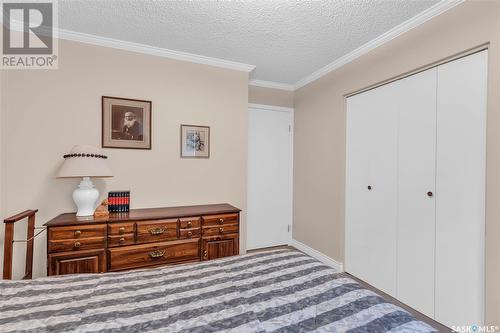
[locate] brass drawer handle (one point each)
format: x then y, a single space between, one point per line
121 240
78 233
221 221
221 230
157 231
190 233
157 254
121 230
77 244
205 254
189 224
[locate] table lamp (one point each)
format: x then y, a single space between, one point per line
85 162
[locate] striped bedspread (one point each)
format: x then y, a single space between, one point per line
275 291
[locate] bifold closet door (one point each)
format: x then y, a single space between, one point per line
460 190
371 187
416 187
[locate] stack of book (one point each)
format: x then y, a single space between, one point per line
119 201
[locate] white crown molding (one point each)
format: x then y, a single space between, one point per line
271 84
141 48
338 266
152 50
406 26
269 107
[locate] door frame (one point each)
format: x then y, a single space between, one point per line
290 111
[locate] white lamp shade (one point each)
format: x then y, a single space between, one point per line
84 161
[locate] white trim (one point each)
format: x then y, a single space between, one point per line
152 50
270 107
419 19
402 28
317 255
141 48
272 85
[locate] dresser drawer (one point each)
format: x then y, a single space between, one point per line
121 258
189 233
156 231
121 240
219 219
121 228
77 244
75 232
220 230
189 222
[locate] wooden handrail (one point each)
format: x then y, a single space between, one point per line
9 243
20 216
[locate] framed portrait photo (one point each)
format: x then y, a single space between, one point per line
126 123
195 141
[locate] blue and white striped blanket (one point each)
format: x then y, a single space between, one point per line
275 291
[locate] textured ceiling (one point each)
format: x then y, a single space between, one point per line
286 40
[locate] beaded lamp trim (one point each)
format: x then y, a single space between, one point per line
85 155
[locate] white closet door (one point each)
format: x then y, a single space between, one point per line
416 207
269 178
460 190
372 161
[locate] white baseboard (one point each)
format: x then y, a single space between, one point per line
318 255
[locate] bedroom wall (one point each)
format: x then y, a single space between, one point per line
1 183
270 96
319 145
48 111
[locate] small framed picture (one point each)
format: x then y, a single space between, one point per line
126 123
195 141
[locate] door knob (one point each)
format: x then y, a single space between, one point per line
430 194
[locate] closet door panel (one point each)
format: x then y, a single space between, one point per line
416 177
372 161
460 190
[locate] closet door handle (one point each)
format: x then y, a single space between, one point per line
430 194
369 187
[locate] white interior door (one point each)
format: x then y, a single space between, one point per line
460 190
416 187
269 177
371 188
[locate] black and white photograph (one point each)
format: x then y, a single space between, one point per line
195 141
126 123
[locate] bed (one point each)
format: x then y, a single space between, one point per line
273 291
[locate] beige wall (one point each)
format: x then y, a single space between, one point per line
49 111
269 96
319 145
1 169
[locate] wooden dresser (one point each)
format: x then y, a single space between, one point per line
141 238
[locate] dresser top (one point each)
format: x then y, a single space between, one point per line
144 214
